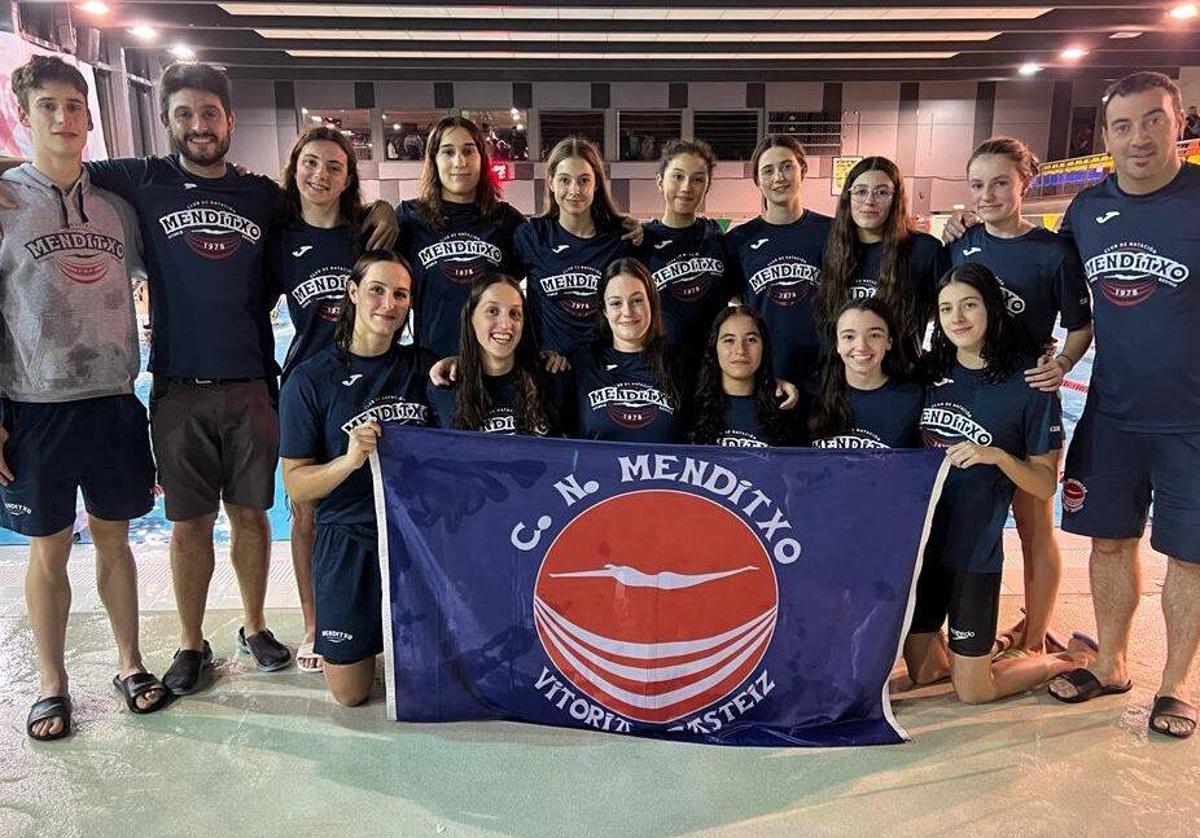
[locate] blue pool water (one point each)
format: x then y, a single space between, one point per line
155 529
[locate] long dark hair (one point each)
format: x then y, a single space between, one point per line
473 402
843 255
1004 346
655 350
428 205
604 209
831 413
343 329
708 411
350 203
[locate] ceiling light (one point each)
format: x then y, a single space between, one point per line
183 52
143 32
1072 53
94 7
315 118
395 126
304 111
1184 11
520 126
1126 33
1029 69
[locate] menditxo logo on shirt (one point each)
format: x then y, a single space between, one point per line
853 438
461 257
733 438
631 406
786 280
946 424
324 289
1129 273
656 604
389 409
211 229
81 256
688 277
574 291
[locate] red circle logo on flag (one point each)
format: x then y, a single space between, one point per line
656 604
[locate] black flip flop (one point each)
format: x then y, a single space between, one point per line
1169 707
137 685
44 709
1087 686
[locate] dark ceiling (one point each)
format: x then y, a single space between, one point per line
740 40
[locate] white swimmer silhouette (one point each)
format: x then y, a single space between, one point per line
665 580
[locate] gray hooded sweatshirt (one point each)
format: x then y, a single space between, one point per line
67 325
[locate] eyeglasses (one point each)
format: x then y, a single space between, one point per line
879 193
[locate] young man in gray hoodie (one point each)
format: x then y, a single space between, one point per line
68 360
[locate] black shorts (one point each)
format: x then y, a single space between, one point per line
347 593
971 600
54 450
214 442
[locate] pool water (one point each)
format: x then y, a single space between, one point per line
154 528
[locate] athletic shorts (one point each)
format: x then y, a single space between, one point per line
214 442
53 450
347 592
971 600
1111 475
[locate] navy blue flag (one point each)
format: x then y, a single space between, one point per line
721 595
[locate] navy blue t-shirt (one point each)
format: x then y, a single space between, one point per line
1138 252
1041 276
886 417
563 277
969 521
688 266
926 263
742 428
776 268
204 240
618 398
504 397
309 266
447 262
332 393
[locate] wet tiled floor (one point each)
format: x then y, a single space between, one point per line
269 755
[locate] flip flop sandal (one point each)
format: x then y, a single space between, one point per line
44 709
1169 707
305 652
137 685
1087 686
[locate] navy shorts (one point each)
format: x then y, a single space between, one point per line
101 446
1111 475
347 592
970 600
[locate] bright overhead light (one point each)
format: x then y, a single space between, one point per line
1073 53
183 52
1126 33
395 126
315 118
1184 11
94 7
513 55
143 32
1029 69
960 206
520 126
